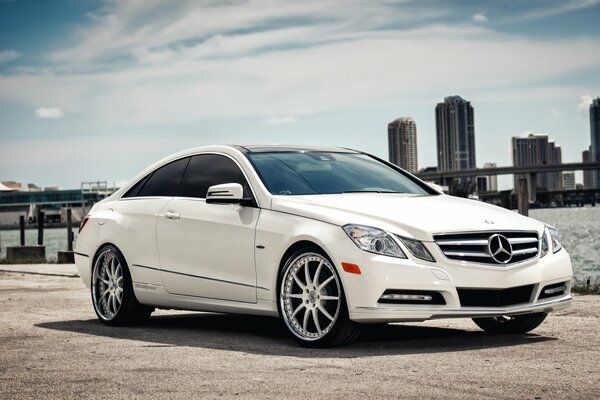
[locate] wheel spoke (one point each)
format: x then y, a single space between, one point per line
324 311
105 281
114 303
326 298
315 315
294 296
307 273
318 273
322 285
298 309
302 285
305 322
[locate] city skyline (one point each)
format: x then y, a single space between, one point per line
98 90
402 144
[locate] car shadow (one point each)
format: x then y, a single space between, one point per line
267 336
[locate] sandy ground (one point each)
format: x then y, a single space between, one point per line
52 346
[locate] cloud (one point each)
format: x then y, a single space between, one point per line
8 55
280 120
584 104
49 113
479 18
557 8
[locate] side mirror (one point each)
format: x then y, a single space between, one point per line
227 193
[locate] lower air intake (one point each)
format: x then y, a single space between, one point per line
495 297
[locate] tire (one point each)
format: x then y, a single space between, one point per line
112 291
511 324
312 303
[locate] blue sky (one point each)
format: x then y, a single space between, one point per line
97 90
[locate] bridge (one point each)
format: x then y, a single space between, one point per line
526 188
442 176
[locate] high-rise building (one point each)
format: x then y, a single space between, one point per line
588 174
568 178
402 143
487 183
536 149
595 131
455 128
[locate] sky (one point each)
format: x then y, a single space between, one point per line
98 90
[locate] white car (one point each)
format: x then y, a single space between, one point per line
325 238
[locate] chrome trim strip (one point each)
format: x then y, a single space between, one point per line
522 240
466 254
466 242
530 250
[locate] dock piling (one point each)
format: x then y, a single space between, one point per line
22 229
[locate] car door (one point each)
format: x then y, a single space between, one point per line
207 250
137 215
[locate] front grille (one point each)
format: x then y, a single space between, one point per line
494 297
475 247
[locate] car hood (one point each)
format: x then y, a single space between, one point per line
409 215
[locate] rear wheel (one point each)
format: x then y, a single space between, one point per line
312 301
112 291
511 324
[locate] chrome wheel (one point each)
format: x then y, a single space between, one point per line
107 285
310 296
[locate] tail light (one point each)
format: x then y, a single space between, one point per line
83 222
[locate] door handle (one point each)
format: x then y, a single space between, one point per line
171 215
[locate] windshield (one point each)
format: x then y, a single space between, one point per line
321 172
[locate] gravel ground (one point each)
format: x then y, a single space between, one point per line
52 346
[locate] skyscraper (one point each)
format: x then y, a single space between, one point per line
538 149
588 174
455 128
402 143
595 130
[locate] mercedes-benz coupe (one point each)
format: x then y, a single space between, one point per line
326 239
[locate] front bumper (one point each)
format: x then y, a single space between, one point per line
445 276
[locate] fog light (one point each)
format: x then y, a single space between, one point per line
556 289
404 297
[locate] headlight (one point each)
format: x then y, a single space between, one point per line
550 240
545 242
555 236
416 248
374 240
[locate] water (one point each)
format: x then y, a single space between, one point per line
580 233
579 229
55 239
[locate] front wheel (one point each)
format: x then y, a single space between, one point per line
112 291
312 301
511 324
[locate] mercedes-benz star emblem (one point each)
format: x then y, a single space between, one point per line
500 248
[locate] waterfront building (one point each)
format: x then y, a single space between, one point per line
568 178
402 143
595 133
588 174
455 130
53 201
537 149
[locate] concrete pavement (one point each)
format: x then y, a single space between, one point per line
52 346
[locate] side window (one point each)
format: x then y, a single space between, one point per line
166 180
135 189
206 170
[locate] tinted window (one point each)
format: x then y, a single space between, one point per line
206 170
319 172
166 180
135 189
